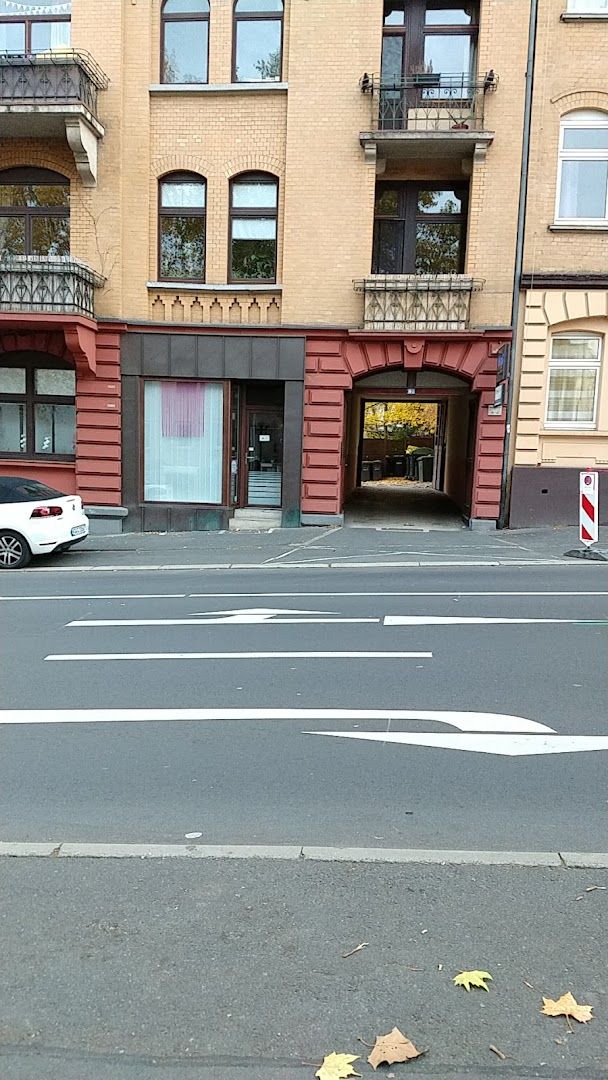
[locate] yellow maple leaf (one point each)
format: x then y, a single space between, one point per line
472 978
337 1067
391 1048
567 1005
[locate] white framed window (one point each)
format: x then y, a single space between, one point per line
574 377
588 7
582 187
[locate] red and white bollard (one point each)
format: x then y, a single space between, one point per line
588 508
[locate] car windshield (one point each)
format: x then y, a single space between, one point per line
14 489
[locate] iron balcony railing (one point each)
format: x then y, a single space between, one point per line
417 301
51 78
54 284
428 101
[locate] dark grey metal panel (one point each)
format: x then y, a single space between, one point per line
292 447
265 358
130 354
292 356
182 348
237 353
155 360
210 356
547 496
130 442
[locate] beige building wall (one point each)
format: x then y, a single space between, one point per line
305 131
570 73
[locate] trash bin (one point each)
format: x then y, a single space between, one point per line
389 465
425 469
365 472
399 466
376 470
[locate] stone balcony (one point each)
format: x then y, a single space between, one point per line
55 285
427 116
417 302
54 95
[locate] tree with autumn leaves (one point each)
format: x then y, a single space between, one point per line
398 419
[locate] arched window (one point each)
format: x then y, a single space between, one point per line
574 379
582 189
35 26
181 226
184 41
34 212
37 409
253 227
257 40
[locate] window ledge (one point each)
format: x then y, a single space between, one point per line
218 88
559 226
583 16
575 429
188 286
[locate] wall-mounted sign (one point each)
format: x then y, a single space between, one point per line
264 438
503 362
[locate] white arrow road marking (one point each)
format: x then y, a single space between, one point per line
445 620
241 617
245 656
464 721
512 745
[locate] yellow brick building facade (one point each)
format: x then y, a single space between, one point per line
298 102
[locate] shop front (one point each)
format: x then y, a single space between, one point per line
212 429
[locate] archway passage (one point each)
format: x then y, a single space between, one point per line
455 373
409 451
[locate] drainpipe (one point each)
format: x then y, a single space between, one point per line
519 257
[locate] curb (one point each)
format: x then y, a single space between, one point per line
298 853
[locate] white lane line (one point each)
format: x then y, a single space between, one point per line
105 596
446 620
504 745
410 592
463 721
244 656
213 622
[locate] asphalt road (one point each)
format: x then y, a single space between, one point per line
263 779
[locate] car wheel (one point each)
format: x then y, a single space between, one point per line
14 550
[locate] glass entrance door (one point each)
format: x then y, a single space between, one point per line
264 458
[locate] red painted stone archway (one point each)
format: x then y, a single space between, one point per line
335 361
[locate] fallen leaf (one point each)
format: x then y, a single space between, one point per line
472 978
529 985
596 888
392 1048
499 1053
352 952
567 1006
337 1067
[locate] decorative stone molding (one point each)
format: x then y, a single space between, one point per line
224 306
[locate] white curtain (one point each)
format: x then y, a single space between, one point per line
183 441
572 394
254 229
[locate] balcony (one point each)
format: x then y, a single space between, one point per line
54 95
417 302
427 116
51 284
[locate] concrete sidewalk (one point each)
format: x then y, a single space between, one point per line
222 970
318 547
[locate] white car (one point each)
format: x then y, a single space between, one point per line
36 520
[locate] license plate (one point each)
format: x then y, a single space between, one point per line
79 530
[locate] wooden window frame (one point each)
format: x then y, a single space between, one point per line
409 215
414 30
33 363
187 16
253 212
32 177
256 16
184 211
28 20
